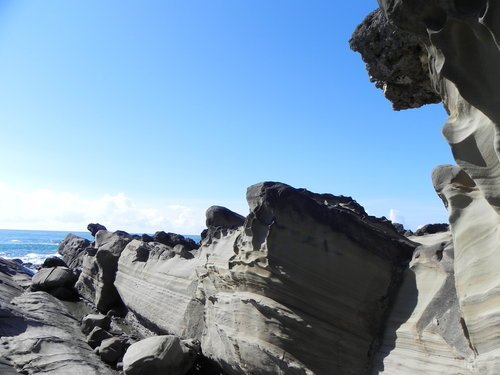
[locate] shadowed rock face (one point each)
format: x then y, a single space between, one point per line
462 41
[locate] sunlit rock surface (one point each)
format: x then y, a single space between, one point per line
282 293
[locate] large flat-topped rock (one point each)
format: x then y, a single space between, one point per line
285 294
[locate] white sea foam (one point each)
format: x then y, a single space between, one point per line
33 258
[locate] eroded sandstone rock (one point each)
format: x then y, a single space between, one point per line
280 294
72 250
99 266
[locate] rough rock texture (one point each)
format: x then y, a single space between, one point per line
159 355
37 333
396 62
72 250
48 278
462 41
99 266
279 295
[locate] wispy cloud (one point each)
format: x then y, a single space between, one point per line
56 210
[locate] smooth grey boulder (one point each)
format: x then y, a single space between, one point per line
48 278
112 349
95 283
91 321
174 239
160 355
96 336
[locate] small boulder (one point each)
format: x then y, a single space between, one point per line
112 349
53 262
218 216
95 320
160 355
173 239
96 336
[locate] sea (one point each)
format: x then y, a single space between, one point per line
33 246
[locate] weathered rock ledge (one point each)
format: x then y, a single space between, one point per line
277 292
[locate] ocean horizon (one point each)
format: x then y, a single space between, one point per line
34 246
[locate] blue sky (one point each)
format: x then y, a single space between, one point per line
141 114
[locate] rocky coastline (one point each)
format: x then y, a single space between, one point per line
306 283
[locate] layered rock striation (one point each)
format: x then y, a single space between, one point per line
277 292
460 44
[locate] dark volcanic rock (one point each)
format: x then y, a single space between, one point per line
218 216
53 262
432 229
94 228
173 239
396 62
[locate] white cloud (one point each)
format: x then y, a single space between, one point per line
396 217
55 210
